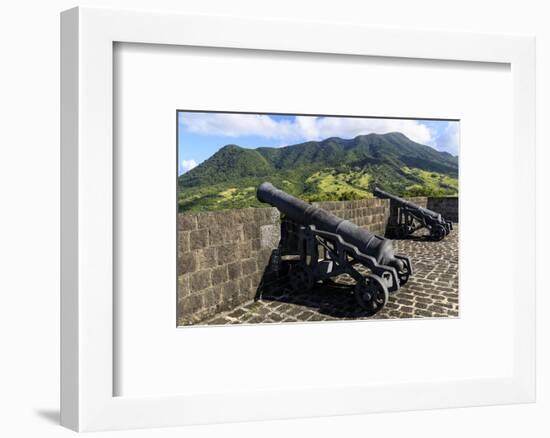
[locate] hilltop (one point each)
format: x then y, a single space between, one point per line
331 169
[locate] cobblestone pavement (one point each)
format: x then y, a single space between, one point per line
431 292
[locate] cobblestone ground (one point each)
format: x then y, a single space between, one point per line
432 292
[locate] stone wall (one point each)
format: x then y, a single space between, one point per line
446 206
421 201
223 256
221 259
370 213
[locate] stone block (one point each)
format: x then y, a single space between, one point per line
184 285
255 244
187 222
207 220
234 270
215 235
198 239
249 266
230 288
270 236
233 234
243 216
207 257
210 298
183 241
423 313
200 280
251 231
223 305
187 262
189 305
227 253
243 250
274 216
245 285
219 275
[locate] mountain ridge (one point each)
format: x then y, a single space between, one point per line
333 168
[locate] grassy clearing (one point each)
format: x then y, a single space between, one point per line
333 185
319 185
430 183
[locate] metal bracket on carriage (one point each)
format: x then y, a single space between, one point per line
388 273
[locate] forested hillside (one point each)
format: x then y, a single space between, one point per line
332 169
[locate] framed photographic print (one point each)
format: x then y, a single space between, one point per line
240 261
233 201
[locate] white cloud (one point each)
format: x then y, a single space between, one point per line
301 128
448 138
187 165
452 138
235 125
352 127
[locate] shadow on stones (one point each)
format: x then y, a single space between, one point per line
422 235
327 297
415 238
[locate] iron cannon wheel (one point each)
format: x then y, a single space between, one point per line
371 294
404 274
403 277
438 232
301 278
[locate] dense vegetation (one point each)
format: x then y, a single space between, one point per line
332 169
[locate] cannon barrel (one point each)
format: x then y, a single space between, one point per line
385 195
307 214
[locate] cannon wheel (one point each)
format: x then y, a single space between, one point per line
403 277
371 294
301 278
405 273
438 232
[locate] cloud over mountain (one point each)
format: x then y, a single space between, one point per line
187 165
302 128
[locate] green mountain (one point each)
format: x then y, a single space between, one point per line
332 169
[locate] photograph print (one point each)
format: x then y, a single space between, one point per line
285 218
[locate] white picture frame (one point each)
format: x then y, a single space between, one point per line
87 330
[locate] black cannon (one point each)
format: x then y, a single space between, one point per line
406 218
328 246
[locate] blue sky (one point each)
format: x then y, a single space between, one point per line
202 134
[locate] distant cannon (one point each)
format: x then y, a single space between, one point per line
406 218
329 246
